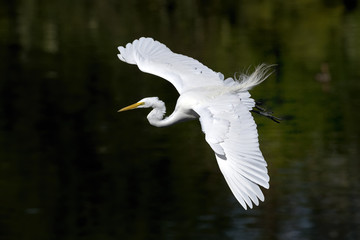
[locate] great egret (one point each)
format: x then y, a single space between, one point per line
222 105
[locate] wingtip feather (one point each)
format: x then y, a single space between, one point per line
132 52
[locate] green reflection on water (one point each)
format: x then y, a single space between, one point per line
71 167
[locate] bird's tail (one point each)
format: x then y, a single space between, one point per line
246 82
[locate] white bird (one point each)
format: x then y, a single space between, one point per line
222 105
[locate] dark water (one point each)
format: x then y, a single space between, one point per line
71 167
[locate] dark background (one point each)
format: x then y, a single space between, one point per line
71 167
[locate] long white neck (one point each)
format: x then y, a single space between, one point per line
156 116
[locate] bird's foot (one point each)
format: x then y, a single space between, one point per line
261 111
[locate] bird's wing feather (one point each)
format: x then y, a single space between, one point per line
154 57
231 132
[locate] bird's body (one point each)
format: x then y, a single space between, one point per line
222 105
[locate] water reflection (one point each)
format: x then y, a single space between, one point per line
71 167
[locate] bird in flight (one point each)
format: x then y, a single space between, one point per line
223 107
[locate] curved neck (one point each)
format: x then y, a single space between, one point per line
156 116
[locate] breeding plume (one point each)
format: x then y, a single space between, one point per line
222 105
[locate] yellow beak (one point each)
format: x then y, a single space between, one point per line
132 106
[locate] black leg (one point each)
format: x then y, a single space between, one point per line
263 112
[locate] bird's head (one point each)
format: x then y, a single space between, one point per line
143 103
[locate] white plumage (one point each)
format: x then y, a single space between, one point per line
222 106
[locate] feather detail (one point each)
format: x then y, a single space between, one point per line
231 132
247 82
182 71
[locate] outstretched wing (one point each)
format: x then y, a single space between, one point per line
154 57
231 132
